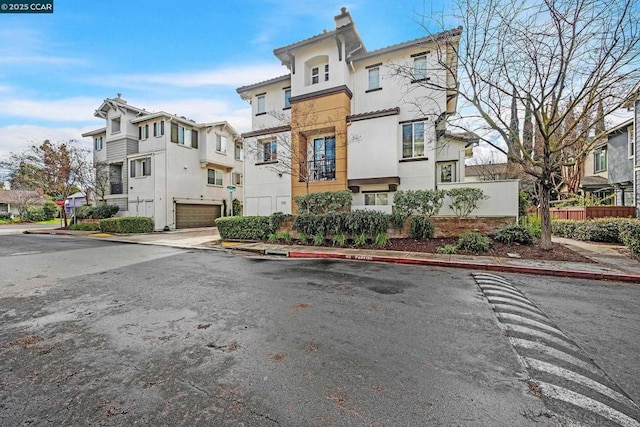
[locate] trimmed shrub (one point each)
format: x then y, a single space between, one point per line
465 200
421 228
50 210
96 212
473 241
310 224
630 235
244 227
418 202
369 223
597 230
127 225
514 234
564 228
85 227
34 214
324 202
276 220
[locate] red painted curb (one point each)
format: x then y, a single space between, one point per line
475 266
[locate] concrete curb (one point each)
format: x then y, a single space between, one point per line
577 274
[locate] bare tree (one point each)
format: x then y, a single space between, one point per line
23 200
57 168
558 60
295 155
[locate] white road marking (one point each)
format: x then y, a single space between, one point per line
530 322
490 294
545 336
557 354
508 301
539 365
499 308
502 289
560 393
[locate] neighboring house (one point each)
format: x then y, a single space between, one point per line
620 156
343 119
13 201
487 172
167 167
595 182
74 201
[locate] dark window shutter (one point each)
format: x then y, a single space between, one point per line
194 138
132 168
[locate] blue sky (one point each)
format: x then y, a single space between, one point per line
185 58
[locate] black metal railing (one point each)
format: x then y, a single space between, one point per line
116 188
318 170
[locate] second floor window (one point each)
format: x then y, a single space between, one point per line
239 152
140 167
315 75
269 151
236 178
115 125
97 143
600 160
632 142
413 140
214 177
287 96
183 136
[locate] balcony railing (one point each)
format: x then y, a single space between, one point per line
318 170
116 188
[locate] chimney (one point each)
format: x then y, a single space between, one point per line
343 19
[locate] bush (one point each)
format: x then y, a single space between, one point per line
339 240
85 227
630 235
324 202
96 212
244 227
353 223
381 239
421 228
285 236
473 241
50 210
310 224
276 220
418 202
318 239
360 240
237 207
564 228
465 200
597 230
447 249
34 214
514 233
127 224
5 215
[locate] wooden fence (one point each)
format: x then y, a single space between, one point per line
588 212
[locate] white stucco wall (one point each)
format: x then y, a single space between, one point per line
502 201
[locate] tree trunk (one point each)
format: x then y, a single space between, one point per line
64 215
545 237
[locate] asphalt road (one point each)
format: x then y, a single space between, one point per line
95 332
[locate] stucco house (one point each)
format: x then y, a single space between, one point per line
620 156
12 201
343 118
166 167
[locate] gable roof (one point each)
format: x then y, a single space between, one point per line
117 104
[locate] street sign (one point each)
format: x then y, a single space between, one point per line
60 202
231 188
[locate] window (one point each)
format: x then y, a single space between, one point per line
269 151
420 68
143 132
632 142
236 178
413 140
323 164
315 77
214 177
97 143
447 172
260 107
374 78
600 160
376 199
221 143
239 152
140 167
183 136
287 97
194 138
326 72
158 128
115 125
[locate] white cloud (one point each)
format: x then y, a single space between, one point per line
227 76
16 138
40 59
79 109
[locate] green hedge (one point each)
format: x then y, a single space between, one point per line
244 227
421 228
85 227
127 224
621 230
369 223
96 212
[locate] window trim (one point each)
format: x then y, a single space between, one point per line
223 147
98 143
272 158
287 99
376 194
596 157
158 128
454 171
263 110
143 132
116 120
215 177
413 145
419 77
378 85
631 142
140 167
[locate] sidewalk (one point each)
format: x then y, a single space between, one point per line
609 263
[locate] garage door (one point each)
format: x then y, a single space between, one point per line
192 216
